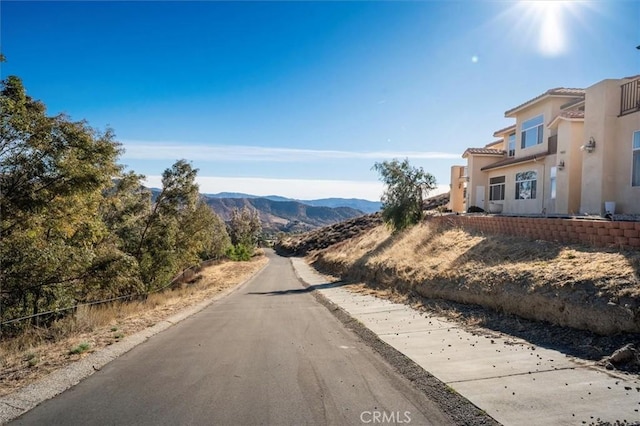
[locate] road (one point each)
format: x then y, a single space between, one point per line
267 354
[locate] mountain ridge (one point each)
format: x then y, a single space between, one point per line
363 205
284 216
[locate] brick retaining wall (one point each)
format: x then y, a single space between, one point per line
598 233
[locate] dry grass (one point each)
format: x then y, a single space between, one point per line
38 351
423 254
572 285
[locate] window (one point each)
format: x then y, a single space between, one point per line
552 181
532 132
496 188
526 185
512 145
635 169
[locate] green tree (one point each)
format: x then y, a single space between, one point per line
53 173
245 226
210 237
159 251
406 189
179 229
244 229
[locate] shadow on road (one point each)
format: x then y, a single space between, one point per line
300 290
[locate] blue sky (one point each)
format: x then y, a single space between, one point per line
300 99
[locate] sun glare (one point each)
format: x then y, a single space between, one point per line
548 21
552 40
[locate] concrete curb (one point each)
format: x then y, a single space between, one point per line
25 399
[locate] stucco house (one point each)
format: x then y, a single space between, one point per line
570 151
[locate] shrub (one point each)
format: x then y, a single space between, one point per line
475 209
239 252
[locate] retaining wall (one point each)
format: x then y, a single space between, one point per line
598 233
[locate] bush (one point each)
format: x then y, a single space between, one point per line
239 252
475 209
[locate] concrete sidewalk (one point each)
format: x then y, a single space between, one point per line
514 381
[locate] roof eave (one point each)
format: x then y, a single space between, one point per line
504 131
532 159
512 112
554 123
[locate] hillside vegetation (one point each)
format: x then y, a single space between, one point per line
568 285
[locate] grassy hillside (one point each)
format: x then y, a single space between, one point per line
568 285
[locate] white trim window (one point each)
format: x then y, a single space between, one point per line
526 183
635 153
511 141
552 182
496 188
532 131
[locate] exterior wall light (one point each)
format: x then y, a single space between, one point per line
561 165
589 146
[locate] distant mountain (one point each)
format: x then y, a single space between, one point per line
355 203
284 216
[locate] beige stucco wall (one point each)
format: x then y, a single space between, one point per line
606 172
456 194
568 180
549 108
510 204
478 178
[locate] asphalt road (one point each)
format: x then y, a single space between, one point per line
267 354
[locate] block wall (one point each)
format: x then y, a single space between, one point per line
597 233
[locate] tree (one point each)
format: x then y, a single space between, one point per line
160 249
179 230
53 172
406 189
244 229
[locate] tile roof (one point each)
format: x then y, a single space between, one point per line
490 144
572 114
567 115
503 131
572 103
512 160
483 151
558 91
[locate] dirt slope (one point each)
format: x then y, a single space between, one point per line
568 285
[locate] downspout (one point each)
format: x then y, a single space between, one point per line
544 171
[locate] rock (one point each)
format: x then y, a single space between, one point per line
627 353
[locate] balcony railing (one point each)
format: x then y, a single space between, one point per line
630 97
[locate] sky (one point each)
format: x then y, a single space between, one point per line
301 98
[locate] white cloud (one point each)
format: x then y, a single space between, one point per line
146 150
302 189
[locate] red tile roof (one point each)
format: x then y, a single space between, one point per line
558 91
483 151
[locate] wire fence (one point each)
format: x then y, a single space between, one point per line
180 276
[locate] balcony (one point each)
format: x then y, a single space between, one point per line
630 97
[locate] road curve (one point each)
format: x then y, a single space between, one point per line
268 354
